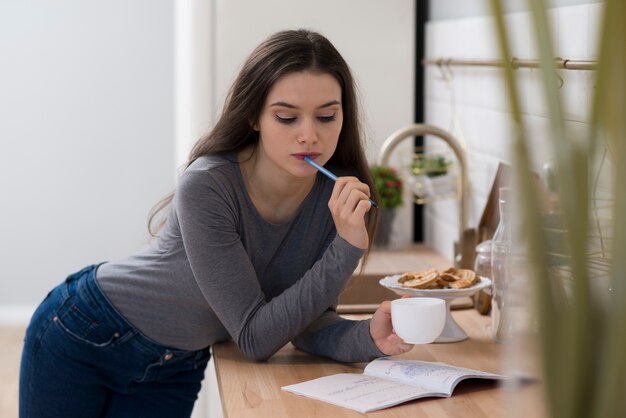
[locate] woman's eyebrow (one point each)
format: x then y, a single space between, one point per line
330 103
291 106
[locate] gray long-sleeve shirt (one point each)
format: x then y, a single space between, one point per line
219 270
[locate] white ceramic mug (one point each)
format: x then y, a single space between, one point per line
418 320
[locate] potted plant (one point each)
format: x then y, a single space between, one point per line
389 187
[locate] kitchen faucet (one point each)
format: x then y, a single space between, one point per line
464 247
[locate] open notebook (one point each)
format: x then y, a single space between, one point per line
386 382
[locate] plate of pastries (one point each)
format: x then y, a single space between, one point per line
449 283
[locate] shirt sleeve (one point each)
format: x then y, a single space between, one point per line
339 338
226 277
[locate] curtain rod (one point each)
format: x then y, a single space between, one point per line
559 63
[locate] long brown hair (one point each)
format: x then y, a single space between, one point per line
283 53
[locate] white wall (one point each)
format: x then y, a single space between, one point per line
475 96
86 131
100 103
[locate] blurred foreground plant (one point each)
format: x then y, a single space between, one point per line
582 323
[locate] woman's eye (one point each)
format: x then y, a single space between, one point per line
326 119
285 119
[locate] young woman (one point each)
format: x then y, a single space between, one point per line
256 246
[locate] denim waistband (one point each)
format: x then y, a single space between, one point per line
84 284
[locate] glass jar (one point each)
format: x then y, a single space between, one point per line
501 252
482 267
482 263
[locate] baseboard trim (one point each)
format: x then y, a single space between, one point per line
16 315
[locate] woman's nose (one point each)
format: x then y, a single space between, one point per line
307 133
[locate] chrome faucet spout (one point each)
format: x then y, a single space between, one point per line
463 250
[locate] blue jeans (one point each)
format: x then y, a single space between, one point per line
82 359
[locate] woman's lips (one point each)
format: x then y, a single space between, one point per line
311 155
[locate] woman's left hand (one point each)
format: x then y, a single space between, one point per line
382 332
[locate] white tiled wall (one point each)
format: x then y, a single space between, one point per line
476 98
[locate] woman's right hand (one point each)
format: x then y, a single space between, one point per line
383 335
348 205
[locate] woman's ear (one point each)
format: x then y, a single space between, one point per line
254 125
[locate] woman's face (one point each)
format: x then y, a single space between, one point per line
302 116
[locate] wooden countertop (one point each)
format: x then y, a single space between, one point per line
251 389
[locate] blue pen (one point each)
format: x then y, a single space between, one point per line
329 174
